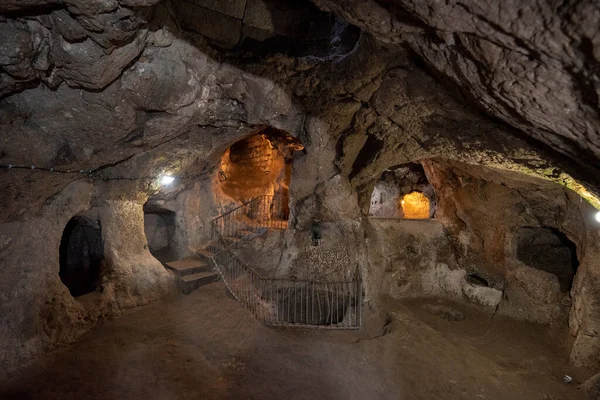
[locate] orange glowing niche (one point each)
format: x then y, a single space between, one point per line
415 205
260 166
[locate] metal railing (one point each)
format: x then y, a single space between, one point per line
250 219
280 301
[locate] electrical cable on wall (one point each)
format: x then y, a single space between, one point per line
91 174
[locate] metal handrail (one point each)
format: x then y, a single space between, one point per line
325 305
268 208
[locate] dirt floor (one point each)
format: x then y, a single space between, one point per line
206 346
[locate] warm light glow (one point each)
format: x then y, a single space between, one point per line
598 216
166 179
415 205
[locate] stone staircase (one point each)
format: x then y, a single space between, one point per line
278 301
193 272
196 271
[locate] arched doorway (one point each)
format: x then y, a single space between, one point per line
403 192
81 254
260 165
159 227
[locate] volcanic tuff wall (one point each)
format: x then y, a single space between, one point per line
112 93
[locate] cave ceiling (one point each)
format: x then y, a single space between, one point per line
129 88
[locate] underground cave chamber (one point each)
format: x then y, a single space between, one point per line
403 192
260 166
287 128
81 254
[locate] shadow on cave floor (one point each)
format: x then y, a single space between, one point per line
510 343
205 346
164 255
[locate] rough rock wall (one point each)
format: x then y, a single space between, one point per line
532 64
112 94
264 253
194 203
402 251
38 312
583 319
173 93
459 256
385 199
471 200
157 231
297 27
167 113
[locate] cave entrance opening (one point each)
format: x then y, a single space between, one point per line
403 192
260 165
81 254
159 227
550 250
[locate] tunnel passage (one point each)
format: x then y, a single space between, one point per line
403 192
260 164
159 227
81 255
550 250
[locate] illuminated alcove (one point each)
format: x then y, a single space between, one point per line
415 205
403 192
260 165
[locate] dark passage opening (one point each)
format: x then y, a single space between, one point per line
550 250
477 280
81 254
159 227
367 154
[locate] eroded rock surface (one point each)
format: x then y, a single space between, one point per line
534 65
102 97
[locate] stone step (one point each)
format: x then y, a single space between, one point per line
244 233
209 251
231 241
205 254
238 239
189 266
188 283
253 231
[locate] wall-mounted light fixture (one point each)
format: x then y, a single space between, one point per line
166 179
598 216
